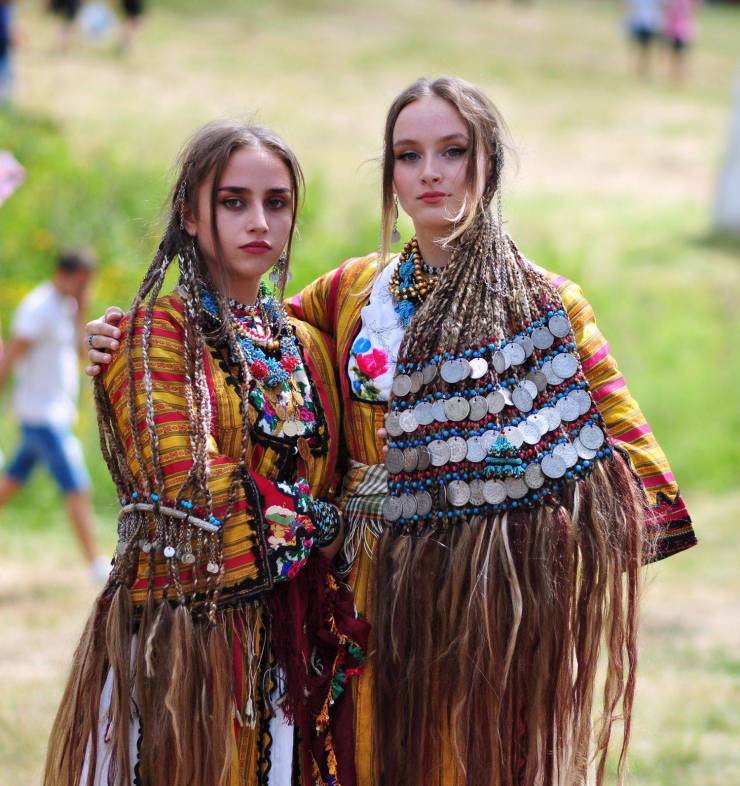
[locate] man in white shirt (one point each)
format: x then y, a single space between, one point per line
43 354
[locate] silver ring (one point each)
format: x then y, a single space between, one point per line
89 342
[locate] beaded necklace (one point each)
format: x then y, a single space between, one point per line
278 340
409 285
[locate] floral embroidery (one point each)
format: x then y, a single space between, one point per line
290 536
368 366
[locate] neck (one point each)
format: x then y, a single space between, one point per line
431 252
244 290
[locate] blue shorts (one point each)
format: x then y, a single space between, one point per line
55 447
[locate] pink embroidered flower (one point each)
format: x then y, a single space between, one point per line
373 364
307 416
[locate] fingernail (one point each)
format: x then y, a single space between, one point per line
114 345
117 333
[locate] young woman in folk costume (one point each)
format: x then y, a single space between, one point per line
495 547
219 651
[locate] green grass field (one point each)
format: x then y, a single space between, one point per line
611 182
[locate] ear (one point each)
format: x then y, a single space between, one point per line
189 221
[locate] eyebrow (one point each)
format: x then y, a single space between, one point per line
447 138
244 190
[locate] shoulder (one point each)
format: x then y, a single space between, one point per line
570 292
168 310
34 310
357 273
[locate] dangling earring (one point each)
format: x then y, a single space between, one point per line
395 233
279 273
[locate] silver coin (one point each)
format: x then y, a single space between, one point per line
476 449
424 503
465 368
188 558
496 402
559 326
591 437
522 399
478 367
394 461
417 380
542 338
514 436
146 547
530 432
567 452
534 477
568 409
212 567
540 422
526 343
553 467
438 410
500 362
425 458
451 372
424 413
489 438
458 449
515 353
539 379
516 488
457 408
393 424
530 387
290 428
391 509
408 505
401 385
440 452
442 497
582 450
582 400
408 421
494 492
552 378
565 365
553 417
429 373
300 428
410 459
478 408
458 493
476 492
169 552
506 393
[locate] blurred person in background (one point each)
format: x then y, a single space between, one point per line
680 31
644 24
42 355
67 11
6 46
133 11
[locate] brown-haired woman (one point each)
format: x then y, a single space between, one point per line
498 542
219 650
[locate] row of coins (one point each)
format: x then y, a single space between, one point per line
475 449
460 493
458 408
514 353
455 449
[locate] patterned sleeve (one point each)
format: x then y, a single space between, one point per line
315 304
265 517
627 426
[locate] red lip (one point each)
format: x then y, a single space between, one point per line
256 247
432 197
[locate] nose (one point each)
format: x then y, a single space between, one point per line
429 175
257 220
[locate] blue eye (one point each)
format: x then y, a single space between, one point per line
233 203
455 152
276 203
409 155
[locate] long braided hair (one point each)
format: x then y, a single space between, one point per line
187 727
489 631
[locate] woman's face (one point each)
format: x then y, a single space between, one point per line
430 150
254 213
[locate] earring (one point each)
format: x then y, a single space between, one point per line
279 272
395 233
